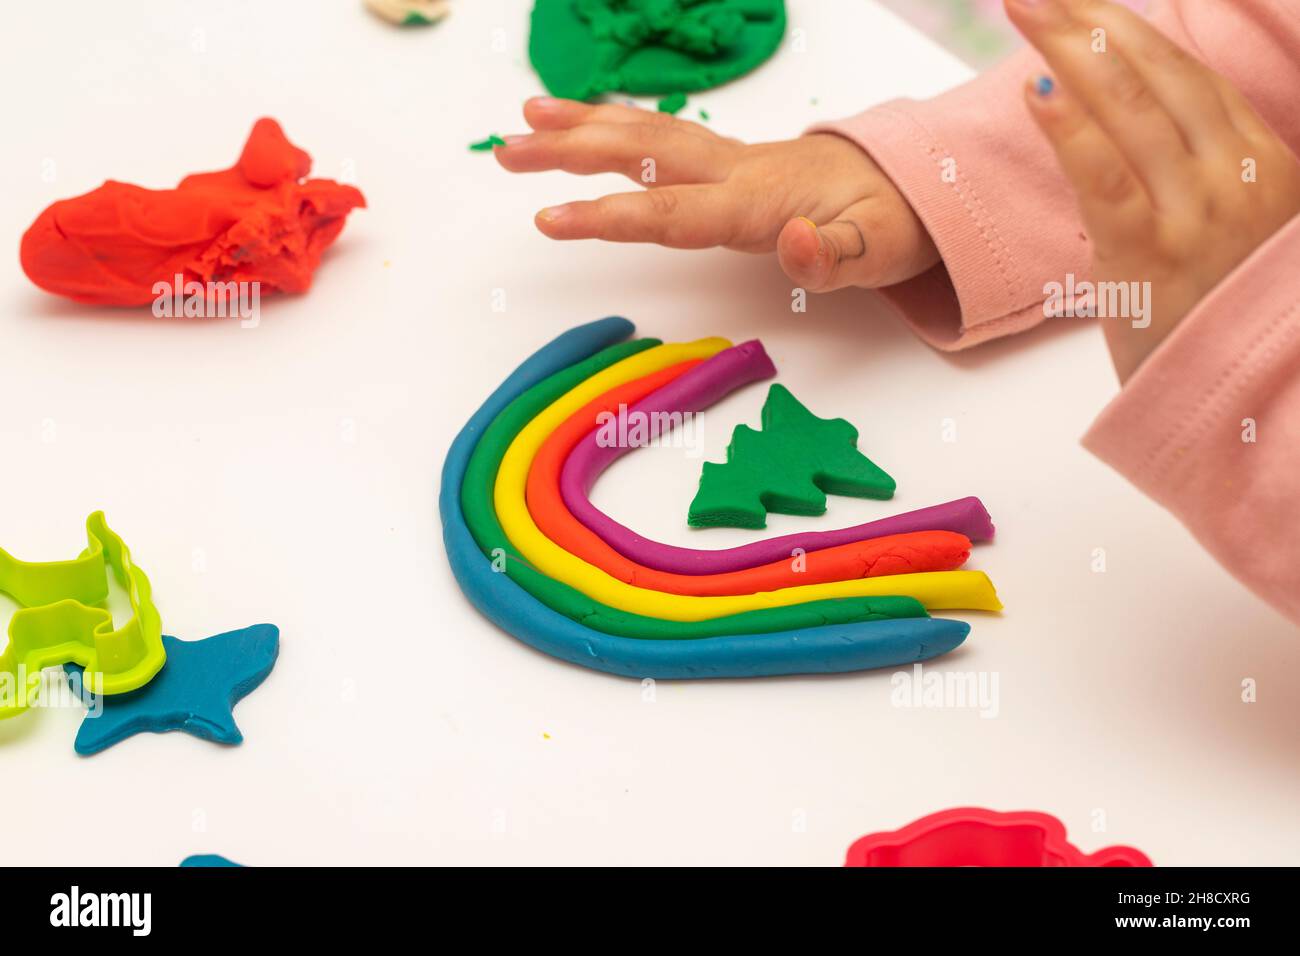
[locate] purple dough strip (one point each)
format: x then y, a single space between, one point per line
691 392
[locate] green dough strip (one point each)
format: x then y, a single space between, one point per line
476 504
583 48
788 468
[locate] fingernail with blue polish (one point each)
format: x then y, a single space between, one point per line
1044 85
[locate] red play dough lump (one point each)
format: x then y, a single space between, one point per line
255 222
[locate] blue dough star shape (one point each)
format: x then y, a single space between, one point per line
195 691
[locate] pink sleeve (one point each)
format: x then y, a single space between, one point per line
1209 425
985 183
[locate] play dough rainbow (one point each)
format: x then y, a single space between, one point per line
938 590
476 502
805 629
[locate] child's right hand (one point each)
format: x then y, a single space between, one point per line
706 190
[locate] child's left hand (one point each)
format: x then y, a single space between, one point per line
1178 177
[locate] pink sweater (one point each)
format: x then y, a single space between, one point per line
1008 225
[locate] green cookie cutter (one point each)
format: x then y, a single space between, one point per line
62 620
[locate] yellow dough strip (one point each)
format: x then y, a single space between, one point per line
937 590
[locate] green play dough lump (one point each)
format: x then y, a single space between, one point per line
789 468
582 48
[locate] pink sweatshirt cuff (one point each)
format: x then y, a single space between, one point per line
984 182
1208 425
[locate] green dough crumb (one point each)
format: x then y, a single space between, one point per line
787 468
416 20
704 115
672 103
583 48
482 146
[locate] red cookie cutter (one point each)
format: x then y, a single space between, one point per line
971 836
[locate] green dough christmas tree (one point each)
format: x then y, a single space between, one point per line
789 468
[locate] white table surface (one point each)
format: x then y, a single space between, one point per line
288 473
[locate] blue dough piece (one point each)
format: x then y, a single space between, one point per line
209 859
195 691
833 648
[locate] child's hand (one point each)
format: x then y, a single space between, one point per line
706 190
1178 178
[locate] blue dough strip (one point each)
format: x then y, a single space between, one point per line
209 860
830 649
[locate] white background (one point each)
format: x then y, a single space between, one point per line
399 726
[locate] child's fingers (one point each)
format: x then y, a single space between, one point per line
547 113
1243 115
683 217
1117 97
1183 85
863 246
1204 104
1112 199
650 154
